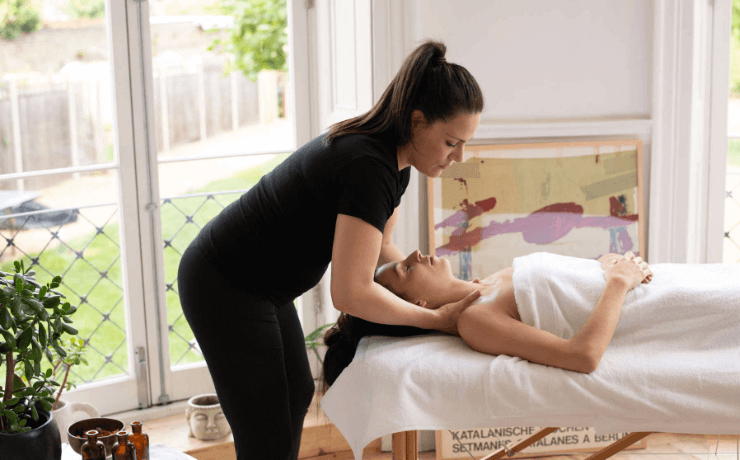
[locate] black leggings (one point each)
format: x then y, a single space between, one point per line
256 354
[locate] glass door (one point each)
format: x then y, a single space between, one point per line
124 127
222 119
62 200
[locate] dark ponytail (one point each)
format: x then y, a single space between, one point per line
427 82
342 338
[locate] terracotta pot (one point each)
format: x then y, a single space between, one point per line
66 413
40 443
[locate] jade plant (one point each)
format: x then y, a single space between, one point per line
33 321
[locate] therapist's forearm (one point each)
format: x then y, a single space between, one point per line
377 304
389 253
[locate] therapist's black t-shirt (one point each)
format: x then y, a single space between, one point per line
277 238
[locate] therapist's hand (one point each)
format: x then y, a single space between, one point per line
448 314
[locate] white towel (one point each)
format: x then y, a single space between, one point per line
673 364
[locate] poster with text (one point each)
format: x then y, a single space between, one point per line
580 199
479 442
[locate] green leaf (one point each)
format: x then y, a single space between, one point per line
34 412
18 383
67 319
18 280
6 321
10 415
45 404
69 329
51 301
9 337
13 427
59 350
28 368
25 338
23 422
53 382
37 308
315 334
42 292
42 335
12 401
15 307
56 282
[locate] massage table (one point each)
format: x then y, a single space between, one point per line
681 374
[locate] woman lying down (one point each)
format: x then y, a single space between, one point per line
555 310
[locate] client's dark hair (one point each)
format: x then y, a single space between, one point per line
342 338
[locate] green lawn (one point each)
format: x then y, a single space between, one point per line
733 152
105 295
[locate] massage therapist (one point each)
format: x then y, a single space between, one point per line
335 200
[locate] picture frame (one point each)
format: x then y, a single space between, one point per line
581 199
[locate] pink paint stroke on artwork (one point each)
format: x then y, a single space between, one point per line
468 212
544 226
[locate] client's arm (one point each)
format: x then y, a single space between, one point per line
488 329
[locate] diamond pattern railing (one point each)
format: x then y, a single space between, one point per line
86 253
188 213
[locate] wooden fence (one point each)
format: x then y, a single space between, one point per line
57 122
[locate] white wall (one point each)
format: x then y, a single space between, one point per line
549 59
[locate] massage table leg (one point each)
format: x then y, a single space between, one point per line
503 452
406 447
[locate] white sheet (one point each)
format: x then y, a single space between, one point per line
673 364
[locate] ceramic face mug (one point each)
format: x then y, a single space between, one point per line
206 419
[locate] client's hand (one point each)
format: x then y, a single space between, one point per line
630 268
448 314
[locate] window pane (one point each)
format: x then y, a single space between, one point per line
231 100
205 188
68 226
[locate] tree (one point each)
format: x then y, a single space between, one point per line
258 39
18 16
93 9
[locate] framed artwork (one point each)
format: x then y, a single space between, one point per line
581 199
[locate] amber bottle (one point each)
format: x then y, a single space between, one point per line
92 449
123 449
140 441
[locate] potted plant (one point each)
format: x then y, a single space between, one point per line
312 340
62 410
33 320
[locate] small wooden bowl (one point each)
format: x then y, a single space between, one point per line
76 432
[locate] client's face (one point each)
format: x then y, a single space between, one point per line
417 279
